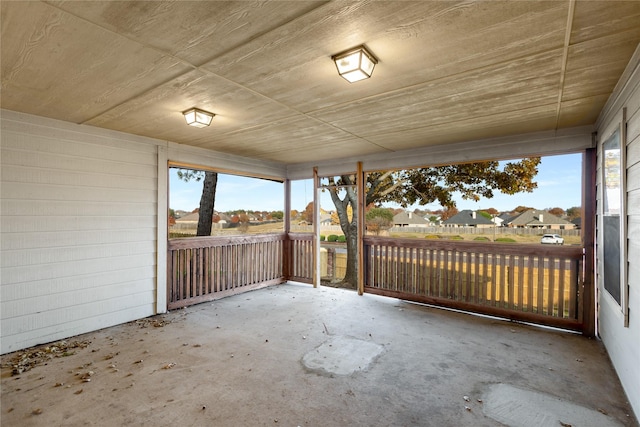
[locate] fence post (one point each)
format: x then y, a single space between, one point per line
331 262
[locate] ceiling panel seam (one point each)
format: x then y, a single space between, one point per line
565 57
185 62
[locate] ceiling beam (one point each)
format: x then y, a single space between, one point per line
545 143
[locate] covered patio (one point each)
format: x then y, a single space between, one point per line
94 96
291 355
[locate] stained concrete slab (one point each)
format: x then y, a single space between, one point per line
342 356
237 362
517 407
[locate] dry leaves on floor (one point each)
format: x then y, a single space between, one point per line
23 361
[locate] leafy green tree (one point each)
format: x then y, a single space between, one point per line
426 185
485 214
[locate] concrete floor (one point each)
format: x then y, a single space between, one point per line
292 355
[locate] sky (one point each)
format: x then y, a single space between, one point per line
559 185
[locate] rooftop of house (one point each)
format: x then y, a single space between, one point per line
536 217
409 218
468 217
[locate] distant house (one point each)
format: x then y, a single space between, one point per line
534 218
409 219
506 217
325 219
468 218
191 220
577 222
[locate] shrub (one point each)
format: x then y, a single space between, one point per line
432 236
322 237
173 235
379 220
341 239
505 240
332 238
482 238
456 238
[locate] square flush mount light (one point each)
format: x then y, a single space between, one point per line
355 64
198 118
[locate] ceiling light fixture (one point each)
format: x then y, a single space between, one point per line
355 64
198 118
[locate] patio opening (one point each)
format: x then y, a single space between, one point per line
485 260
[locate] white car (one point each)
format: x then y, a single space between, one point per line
552 239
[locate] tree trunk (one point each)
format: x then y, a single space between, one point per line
207 201
351 276
349 228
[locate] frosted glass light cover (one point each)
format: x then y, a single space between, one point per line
356 64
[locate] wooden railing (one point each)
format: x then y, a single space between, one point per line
207 268
535 283
299 262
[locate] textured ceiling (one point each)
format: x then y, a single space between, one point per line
448 71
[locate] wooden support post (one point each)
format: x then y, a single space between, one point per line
360 181
587 293
287 247
331 263
316 228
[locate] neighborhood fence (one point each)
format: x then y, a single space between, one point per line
488 231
